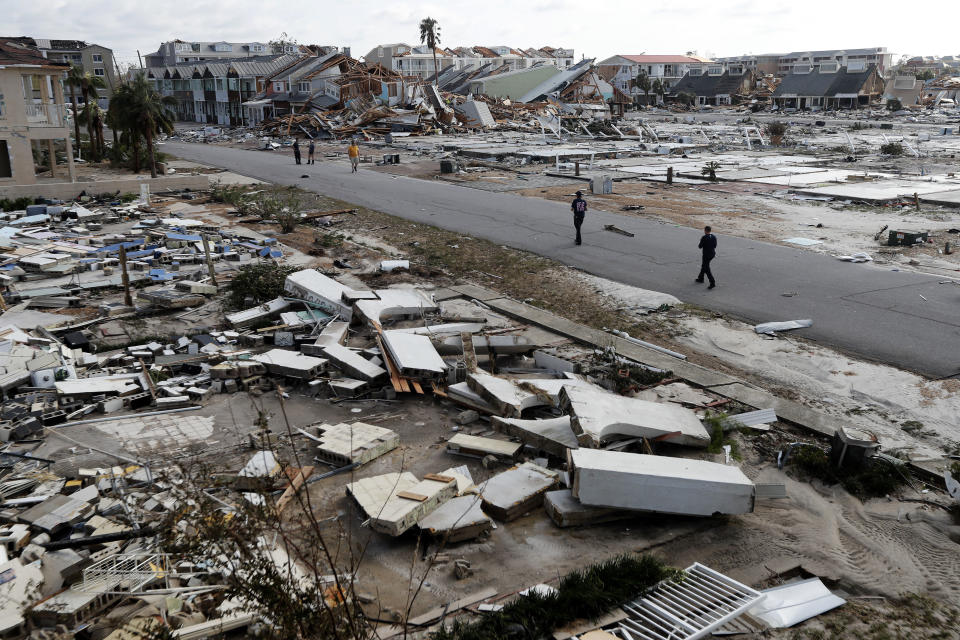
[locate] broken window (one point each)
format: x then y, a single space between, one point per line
392 90
5 169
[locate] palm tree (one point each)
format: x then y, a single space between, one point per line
142 111
658 88
430 36
642 82
92 116
74 80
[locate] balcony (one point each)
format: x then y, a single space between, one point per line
45 115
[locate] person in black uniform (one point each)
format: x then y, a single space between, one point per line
296 150
579 208
708 245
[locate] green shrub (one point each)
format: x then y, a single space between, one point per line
891 149
585 594
261 281
873 479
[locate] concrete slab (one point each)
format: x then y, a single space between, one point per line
598 417
352 363
394 502
567 511
395 303
944 198
282 362
320 290
658 483
414 355
359 443
478 446
509 495
458 519
506 396
552 435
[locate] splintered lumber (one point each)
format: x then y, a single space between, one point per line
294 487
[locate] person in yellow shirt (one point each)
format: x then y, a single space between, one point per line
354 152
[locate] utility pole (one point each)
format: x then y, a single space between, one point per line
206 251
127 300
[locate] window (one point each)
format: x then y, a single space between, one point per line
232 84
97 57
257 48
99 72
5 168
278 87
223 46
392 90
303 86
219 84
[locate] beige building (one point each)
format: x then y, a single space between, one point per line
34 134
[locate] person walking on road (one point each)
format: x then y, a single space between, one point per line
354 152
708 245
579 208
310 150
296 150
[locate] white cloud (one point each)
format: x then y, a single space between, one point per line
598 29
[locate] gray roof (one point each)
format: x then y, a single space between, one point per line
246 66
710 86
826 85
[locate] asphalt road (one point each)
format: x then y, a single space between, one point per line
901 318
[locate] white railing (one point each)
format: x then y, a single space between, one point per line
45 115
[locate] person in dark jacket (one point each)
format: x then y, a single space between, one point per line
708 245
310 151
579 208
296 150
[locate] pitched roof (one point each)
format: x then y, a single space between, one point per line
13 54
816 83
710 86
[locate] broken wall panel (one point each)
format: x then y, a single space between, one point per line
657 483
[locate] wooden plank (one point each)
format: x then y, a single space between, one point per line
295 485
417 387
469 354
409 495
438 477
435 614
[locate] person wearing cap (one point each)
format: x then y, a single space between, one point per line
579 208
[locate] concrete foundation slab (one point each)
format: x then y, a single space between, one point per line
505 395
414 355
599 416
359 443
567 511
478 446
394 502
552 435
509 495
458 519
352 363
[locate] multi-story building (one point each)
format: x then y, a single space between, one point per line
177 52
879 56
418 61
621 70
934 64
764 64
33 127
94 59
213 92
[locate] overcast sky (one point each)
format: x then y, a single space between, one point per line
595 28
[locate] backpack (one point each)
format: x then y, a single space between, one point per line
580 206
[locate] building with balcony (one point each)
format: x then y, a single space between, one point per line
418 61
621 70
213 92
94 59
34 133
177 52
